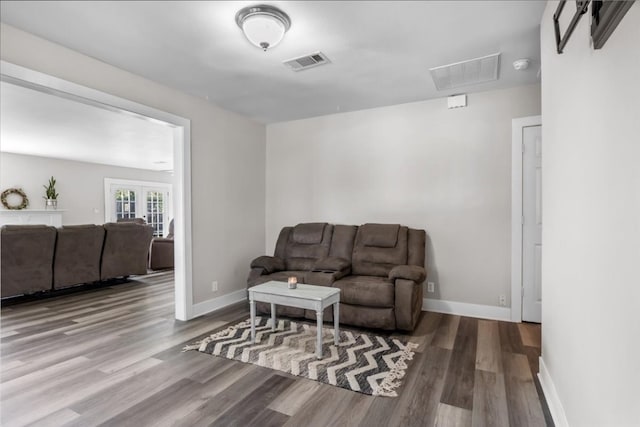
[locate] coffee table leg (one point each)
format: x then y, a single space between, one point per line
252 307
336 323
319 335
273 317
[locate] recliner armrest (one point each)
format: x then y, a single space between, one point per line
269 264
331 264
408 272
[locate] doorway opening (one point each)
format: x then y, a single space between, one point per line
526 220
180 130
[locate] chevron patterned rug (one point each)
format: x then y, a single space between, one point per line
361 362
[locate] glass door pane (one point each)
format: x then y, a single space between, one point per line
125 203
155 214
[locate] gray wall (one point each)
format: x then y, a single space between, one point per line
419 164
591 234
80 184
227 158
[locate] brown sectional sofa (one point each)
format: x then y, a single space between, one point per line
379 269
37 258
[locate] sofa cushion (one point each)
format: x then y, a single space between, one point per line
342 241
78 254
303 256
380 235
331 264
27 253
371 291
375 260
308 234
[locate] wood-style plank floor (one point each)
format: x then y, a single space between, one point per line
112 357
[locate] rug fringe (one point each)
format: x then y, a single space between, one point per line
388 386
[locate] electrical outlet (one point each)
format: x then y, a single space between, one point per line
431 287
503 300
214 286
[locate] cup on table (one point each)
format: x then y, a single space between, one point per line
293 282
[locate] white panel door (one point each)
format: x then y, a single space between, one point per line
532 224
126 199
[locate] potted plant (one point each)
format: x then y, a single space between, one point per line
50 194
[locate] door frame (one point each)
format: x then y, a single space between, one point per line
181 126
517 131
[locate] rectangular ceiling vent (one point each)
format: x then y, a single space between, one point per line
473 71
307 61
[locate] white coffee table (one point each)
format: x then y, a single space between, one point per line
304 296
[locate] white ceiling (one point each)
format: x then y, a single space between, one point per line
43 124
380 51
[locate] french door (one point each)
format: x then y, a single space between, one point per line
151 201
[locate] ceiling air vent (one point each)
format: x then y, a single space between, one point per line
473 71
307 61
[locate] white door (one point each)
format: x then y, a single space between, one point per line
532 224
133 199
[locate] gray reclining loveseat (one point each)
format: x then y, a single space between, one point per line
379 269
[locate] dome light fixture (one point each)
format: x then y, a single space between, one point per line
263 25
521 64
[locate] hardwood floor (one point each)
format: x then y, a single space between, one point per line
112 357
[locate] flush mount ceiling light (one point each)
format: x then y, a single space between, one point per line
521 64
263 25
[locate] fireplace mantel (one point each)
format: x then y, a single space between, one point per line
31 216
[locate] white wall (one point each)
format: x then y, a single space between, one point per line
227 158
418 164
80 184
591 235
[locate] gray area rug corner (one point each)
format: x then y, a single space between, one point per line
361 362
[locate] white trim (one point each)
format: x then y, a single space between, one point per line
214 304
551 395
517 126
182 162
465 309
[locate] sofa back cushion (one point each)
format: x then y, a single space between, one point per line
26 258
126 249
305 244
78 254
342 241
378 248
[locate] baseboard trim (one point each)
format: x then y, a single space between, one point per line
551 395
214 304
466 309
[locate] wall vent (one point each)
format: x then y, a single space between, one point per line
307 61
473 71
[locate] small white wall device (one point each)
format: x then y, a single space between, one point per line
456 101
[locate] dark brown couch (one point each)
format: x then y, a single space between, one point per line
379 269
38 258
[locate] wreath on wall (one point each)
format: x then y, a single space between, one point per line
23 199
